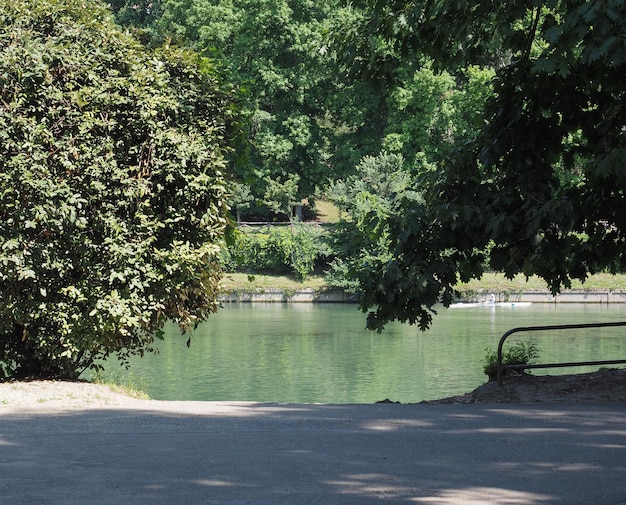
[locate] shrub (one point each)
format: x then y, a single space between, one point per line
112 199
294 249
339 275
520 353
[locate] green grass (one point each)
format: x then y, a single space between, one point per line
125 385
326 211
491 283
497 283
257 282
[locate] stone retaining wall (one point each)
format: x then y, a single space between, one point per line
304 295
566 297
339 296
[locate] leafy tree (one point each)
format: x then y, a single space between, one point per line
543 183
280 197
241 198
305 118
377 181
139 13
112 199
435 112
366 199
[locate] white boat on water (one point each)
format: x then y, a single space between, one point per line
491 302
511 305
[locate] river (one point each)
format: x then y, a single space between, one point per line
321 353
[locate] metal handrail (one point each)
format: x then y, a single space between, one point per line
501 367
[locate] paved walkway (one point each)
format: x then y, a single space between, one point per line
176 453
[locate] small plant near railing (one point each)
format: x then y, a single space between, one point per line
521 353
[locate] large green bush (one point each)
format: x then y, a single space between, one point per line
294 249
111 188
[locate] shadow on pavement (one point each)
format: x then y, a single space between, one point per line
213 453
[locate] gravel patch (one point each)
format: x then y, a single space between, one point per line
63 395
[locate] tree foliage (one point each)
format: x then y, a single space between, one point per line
304 118
295 249
240 198
280 197
540 190
432 113
112 193
366 200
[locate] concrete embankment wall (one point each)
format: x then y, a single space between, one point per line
304 295
339 296
567 297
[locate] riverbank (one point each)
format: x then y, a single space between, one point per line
54 395
490 282
603 386
600 288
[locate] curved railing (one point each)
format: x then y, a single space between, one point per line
502 367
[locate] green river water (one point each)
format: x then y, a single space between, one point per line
321 353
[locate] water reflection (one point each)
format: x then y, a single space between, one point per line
322 353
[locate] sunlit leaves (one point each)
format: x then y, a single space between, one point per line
113 194
303 117
540 188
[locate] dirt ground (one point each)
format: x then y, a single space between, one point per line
595 387
62 395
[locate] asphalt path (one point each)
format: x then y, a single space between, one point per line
179 453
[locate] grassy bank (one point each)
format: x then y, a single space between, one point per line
497 283
491 283
245 282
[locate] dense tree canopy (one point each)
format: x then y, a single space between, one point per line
540 189
111 188
304 117
507 115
